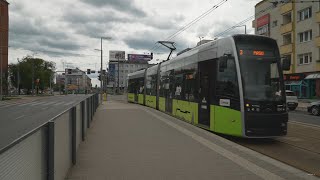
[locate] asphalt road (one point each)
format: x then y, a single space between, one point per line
17 119
304 117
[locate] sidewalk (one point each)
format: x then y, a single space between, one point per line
128 141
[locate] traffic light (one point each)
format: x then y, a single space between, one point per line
151 56
88 71
99 77
69 71
103 71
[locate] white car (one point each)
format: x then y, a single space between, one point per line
314 108
292 100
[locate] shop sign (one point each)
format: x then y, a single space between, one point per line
293 77
263 20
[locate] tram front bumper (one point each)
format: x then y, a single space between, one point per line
264 125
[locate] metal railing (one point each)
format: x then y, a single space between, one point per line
49 151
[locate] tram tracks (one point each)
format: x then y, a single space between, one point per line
300 148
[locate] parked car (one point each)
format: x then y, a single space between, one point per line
292 100
314 108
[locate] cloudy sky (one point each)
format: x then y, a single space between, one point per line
67 32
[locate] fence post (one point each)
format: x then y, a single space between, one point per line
88 113
50 162
83 120
74 135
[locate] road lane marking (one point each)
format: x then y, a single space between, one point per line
38 103
69 103
19 117
255 169
59 103
46 104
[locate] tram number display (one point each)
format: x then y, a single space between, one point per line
256 53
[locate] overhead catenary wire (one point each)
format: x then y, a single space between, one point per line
156 46
275 3
244 21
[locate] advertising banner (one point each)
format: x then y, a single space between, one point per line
139 57
263 20
114 55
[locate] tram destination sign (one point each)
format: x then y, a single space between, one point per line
256 53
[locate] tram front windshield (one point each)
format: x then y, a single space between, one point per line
261 80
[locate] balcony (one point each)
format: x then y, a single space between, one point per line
286 28
286 8
286 49
318 17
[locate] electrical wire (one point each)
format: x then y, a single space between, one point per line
275 3
243 21
191 23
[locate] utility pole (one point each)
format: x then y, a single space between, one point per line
118 90
101 84
18 76
33 74
50 83
65 81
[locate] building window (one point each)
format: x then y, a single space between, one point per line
286 18
305 58
305 14
287 39
305 36
274 23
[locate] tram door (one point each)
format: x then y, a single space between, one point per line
206 76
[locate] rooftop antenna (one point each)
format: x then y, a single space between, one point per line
166 44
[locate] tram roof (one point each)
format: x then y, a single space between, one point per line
137 74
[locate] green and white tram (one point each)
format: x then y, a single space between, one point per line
231 86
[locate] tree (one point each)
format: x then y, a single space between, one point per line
43 70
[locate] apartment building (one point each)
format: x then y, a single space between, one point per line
296 27
77 80
125 67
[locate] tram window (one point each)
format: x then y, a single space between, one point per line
190 86
152 85
227 83
178 88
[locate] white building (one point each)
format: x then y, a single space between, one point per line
125 68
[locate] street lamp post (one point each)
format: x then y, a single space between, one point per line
101 83
118 90
245 28
33 73
18 76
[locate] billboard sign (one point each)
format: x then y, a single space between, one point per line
114 55
139 57
263 20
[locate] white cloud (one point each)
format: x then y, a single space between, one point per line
69 31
